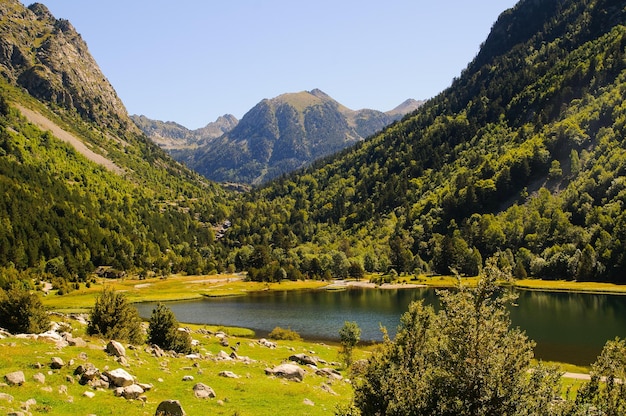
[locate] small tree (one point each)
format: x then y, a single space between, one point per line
114 318
607 390
22 311
463 360
349 336
163 331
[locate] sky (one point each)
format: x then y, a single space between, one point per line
191 61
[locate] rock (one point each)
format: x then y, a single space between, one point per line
288 371
39 378
202 391
115 348
303 359
89 394
308 402
119 377
75 342
6 397
145 386
132 392
15 378
328 389
170 408
187 378
89 376
223 355
122 361
56 363
330 373
267 343
228 374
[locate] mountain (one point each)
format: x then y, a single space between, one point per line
82 187
277 136
522 155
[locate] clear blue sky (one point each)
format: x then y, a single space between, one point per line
191 61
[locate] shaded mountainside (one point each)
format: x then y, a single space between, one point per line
82 186
524 154
277 136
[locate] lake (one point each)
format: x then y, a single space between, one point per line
567 327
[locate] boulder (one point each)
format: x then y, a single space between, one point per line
15 378
6 397
170 408
56 363
119 378
187 378
75 342
228 374
39 378
303 359
330 373
89 375
132 392
288 371
115 348
202 391
89 394
266 343
223 355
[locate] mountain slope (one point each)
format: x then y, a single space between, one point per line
522 154
278 135
82 186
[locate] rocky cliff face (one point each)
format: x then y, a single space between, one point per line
47 57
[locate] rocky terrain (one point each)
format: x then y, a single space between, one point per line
60 372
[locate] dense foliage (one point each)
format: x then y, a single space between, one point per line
113 317
524 154
163 331
21 311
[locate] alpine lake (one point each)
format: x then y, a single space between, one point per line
567 327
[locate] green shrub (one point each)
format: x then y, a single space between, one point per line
163 331
22 311
114 318
279 333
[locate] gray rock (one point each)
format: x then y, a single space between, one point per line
202 391
132 392
89 394
115 348
75 342
15 378
6 397
187 378
287 371
228 374
39 378
56 363
304 359
170 408
330 373
119 378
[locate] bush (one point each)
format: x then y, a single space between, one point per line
22 311
279 333
349 336
114 318
163 331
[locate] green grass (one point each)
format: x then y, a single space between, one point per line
253 394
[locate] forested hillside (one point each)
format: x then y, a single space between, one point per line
523 153
63 215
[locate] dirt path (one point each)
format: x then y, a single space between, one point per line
46 124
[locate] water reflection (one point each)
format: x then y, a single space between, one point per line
567 327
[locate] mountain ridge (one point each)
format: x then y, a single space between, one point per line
276 136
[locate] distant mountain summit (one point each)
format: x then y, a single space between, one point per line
276 136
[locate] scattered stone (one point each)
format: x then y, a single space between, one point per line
39 378
38 366
308 402
6 397
89 394
145 386
56 363
119 377
28 403
75 342
122 361
89 376
287 371
116 349
63 389
70 379
224 342
202 391
228 374
328 389
187 378
132 392
330 373
303 359
267 343
15 378
223 356
170 408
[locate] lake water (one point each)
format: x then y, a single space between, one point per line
568 327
